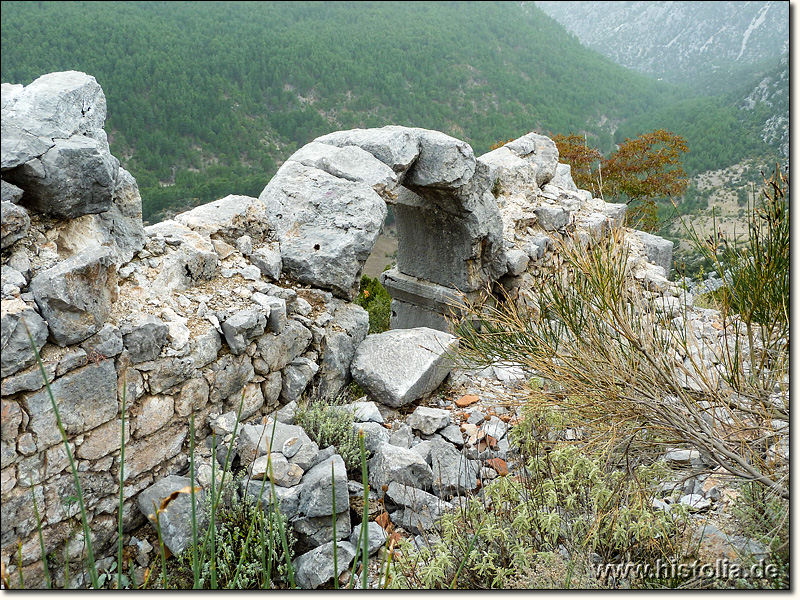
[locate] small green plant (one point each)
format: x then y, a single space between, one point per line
374 298
247 539
764 517
497 188
329 423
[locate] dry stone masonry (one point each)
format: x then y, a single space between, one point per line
249 300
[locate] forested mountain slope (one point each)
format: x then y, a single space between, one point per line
207 98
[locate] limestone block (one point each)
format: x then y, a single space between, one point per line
375 434
29 380
105 343
14 223
443 162
395 146
193 396
268 259
103 440
144 338
348 162
453 473
242 327
376 537
175 522
657 249
58 105
142 456
563 178
539 150
402 365
75 296
279 350
87 398
315 567
517 261
317 487
296 377
345 331
76 176
400 465
19 146
428 420
154 413
420 510
551 218
287 498
326 226
228 219
190 258
230 375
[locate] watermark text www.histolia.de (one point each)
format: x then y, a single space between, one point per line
662 569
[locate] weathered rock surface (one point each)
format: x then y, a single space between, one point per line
402 365
400 465
228 219
75 296
326 225
314 568
175 521
54 146
17 322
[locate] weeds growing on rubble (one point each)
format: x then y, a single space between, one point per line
629 367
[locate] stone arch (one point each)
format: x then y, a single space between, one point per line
327 204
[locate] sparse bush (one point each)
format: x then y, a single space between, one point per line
564 503
762 516
604 344
249 551
756 274
328 423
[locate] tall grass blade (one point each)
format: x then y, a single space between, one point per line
161 550
121 480
41 541
335 554
86 532
195 558
213 525
365 516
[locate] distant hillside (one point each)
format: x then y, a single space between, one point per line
700 43
208 98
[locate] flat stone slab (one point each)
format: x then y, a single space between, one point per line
402 365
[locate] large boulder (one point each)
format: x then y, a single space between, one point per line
402 365
326 226
75 177
76 295
54 146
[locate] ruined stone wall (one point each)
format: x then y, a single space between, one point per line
243 300
186 317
